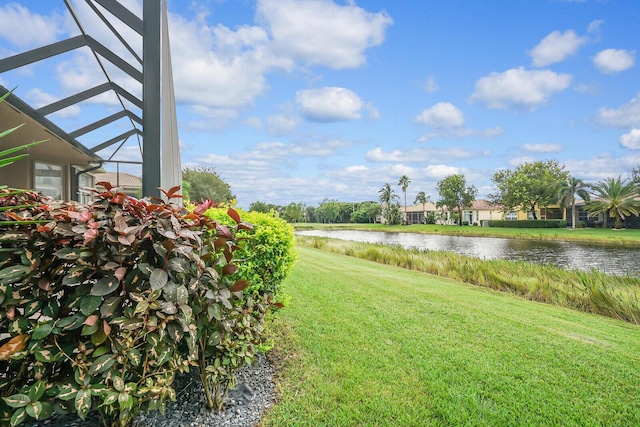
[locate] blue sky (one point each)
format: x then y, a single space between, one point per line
302 100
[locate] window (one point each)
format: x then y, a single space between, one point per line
49 180
85 182
511 216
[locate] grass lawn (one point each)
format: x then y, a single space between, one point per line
365 344
624 237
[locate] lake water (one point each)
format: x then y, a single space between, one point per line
569 255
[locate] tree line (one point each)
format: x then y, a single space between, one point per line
526 188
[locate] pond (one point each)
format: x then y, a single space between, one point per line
569 255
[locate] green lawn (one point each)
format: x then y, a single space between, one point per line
625 237
364 344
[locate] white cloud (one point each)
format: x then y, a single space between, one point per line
542 148
430 85
38 99
631 140
517 161
321 32
626 116
443 115
281 124
421 155
26 29
217 118
556 47
440 171
594 26
329 104
602 166
610 61
519 88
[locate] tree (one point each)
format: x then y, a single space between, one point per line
328 211
388 198
635 174
454 193
205 183
366 212
422 198
263 207
616 198
404 184
293 212
566 195
529 185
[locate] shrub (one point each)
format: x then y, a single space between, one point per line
269 253
529 223
101 305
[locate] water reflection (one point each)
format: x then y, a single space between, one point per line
569 255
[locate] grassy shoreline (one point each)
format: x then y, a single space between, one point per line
374 345
592 292
625 237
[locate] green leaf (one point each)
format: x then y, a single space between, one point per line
71 323
18 417
32 307
90 329
102 364
135 357
110 307
36 390
69 254
98 337
118 383
66 392
214 311
182 295
111 398
13 273
101 350
153 339
105 286
34 410
89 304
83 403
46 355
41 331
17 400
158 278
141 307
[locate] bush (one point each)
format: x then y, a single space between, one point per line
268 255
529 223
101 305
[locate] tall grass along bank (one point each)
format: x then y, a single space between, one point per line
593 292
364 344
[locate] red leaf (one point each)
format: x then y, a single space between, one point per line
229 269
234 215
172 192
278 304
105 184
239 285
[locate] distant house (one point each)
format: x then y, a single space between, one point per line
480 210
57 167
127 183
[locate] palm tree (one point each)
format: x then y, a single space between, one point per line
404 183
387 195
422 198
386 198
566 195
616 198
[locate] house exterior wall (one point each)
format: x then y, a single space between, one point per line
54 151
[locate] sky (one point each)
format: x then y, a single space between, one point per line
306 100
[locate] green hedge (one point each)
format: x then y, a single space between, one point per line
529 223
268 255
